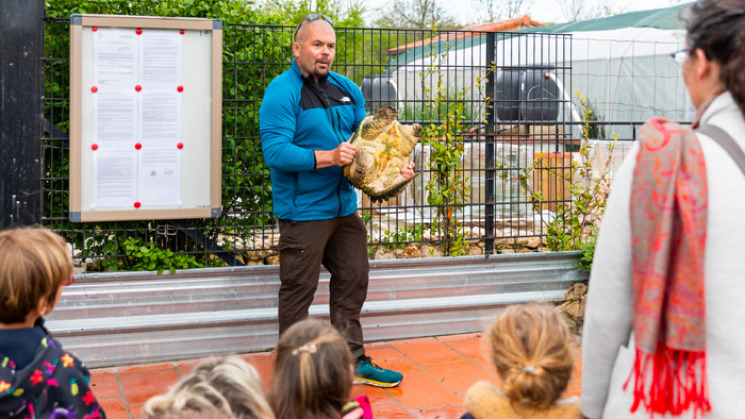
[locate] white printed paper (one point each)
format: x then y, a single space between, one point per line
115 54
160 117
160 60
114 179
115 119
159 177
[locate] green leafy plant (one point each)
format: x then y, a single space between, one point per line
448 186
148 257
575 223
574 228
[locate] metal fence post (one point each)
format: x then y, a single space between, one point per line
491 123
21 84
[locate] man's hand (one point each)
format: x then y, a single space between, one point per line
408 172
342 155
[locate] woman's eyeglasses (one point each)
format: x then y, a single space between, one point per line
679 57
311 17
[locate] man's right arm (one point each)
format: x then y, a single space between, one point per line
277 121
277 124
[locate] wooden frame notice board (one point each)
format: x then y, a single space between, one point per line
145 118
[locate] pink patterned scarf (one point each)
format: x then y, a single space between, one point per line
668 229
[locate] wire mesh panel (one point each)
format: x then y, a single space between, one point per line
494 160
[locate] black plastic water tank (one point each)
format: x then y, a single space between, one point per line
539 96
507 98
379 92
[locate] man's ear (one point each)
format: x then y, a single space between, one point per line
296 49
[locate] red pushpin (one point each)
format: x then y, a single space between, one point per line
138 31
137 204
94 89
180 89
95 28
94 147
180 146
138 146
138 87
181 31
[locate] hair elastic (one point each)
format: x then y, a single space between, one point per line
309 349
529 368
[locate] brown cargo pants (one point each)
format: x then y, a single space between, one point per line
340 244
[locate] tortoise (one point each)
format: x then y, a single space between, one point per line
383 148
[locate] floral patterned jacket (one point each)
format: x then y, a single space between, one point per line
55 385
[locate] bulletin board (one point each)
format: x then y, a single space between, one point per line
145 118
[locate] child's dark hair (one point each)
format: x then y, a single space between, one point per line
717 27
34 263
312 372
530 346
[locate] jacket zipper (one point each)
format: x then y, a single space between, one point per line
337 130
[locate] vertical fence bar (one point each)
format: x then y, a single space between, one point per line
21 89
491 123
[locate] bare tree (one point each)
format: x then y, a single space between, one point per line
575 10
496 10
415 14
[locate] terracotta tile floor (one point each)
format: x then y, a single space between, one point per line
437 372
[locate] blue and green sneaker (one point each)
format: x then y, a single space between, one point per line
368 372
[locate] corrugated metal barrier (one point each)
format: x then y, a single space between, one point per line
138 317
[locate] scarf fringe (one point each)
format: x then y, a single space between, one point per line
669 381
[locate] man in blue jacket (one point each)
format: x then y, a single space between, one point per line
307 116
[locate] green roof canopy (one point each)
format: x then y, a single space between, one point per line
667 18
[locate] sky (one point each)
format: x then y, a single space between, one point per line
542 10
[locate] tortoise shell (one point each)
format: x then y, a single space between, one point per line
383 149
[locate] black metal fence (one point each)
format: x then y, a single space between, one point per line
497 106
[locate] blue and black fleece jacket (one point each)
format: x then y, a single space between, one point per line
298 116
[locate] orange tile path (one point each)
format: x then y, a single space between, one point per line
437 372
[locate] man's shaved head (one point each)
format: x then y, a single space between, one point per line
314 47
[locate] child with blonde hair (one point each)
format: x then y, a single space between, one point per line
217 388
530 346
313 375
37 377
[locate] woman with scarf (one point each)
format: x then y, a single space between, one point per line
663 334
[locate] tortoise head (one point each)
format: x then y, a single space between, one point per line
357 171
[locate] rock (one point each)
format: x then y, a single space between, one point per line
475 250
529 242
475 233
429 251
412 252
255 256
534 242
576 292
504 244
272 260
573 308
254 263
381 254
